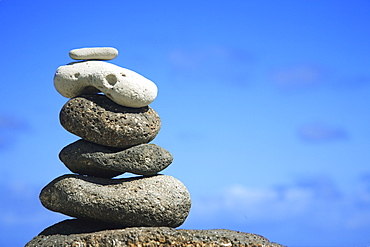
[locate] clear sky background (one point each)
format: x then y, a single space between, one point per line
264 106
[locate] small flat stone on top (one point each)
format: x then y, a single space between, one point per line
94 53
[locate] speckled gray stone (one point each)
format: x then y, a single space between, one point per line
150 237
87 158
158 200
98 119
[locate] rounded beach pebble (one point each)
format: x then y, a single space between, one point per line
100 53
86 158
123 86
158 200
98 119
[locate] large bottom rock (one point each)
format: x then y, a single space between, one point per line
61 235
140 201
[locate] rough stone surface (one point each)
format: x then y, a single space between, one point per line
145 237
123 86
158 200
97 119
87 158
100 53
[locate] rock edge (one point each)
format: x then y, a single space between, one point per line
154 236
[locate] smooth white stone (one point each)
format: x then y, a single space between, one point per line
100 53
123 86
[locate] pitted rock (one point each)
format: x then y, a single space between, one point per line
100 53
158 200
98 119
123 86
86 233
86 158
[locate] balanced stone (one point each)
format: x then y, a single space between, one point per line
158 200
100 53
85 233
123 86
87 158
97 119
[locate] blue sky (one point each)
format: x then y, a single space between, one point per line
264 106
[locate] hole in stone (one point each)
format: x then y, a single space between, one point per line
112 79
76 75
123 74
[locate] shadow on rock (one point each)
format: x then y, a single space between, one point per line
77 226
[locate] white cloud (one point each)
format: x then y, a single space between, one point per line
189 59
186 60
221 64
321 133
20 204
266 204
315 202
10 127
298 76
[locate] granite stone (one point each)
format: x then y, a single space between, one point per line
158 200
61 235
87 158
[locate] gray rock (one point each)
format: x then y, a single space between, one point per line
86 158
98 119
153 236
158 200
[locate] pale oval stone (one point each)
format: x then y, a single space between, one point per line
87 158
140 201
100 53
123 86
98 119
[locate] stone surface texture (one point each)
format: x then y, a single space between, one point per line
158 200
87 158
153 236
98 119
100 53
123 86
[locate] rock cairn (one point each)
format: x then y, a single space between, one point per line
116 128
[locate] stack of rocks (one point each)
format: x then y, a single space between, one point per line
116 128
